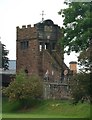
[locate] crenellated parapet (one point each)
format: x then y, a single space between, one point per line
26 32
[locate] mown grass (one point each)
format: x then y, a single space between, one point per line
47 109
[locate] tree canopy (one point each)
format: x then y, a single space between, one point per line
77 29
77 26
3 56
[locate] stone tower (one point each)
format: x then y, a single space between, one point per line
38 49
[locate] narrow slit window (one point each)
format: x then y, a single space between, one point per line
40 47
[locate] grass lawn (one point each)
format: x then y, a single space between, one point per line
47 109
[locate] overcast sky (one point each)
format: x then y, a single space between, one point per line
23 12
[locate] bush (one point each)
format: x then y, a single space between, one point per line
24 89
80 86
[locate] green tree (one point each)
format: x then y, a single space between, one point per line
77 29
77 25
80 87
25 89
3 56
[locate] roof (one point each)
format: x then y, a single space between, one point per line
48 22
73 62
12 68
12 72
12 65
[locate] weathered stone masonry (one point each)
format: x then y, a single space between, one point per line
38 51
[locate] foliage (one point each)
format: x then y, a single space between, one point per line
5 59
77 26
77 29
24 88
80 86
85 59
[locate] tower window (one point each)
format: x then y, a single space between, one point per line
46 46
40 46
24 44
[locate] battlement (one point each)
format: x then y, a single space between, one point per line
26 32
25 27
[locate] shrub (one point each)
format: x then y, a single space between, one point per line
80 85
24 88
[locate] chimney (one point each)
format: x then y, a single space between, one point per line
73 66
